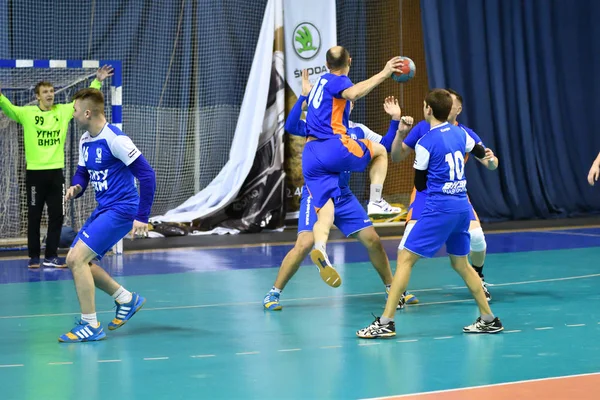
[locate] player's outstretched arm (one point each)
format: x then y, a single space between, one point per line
293 124
11 111
363 88
594 171
400 150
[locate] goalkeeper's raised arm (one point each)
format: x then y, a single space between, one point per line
45 126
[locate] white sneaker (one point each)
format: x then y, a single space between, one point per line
382 208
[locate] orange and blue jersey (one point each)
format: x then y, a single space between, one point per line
328 112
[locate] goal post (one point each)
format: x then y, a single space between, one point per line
18 78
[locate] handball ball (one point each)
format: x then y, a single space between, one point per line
408 71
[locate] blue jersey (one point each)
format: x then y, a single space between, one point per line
420 129
441 152
328 112
106 157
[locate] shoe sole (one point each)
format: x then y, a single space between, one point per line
110 328
329 274
273 309
387 335
84 341
54 265
34 266
480 332
382 215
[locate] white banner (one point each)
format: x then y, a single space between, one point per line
260 124
310 30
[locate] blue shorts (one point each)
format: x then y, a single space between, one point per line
350 216
103 229
417 203
324 160
434 229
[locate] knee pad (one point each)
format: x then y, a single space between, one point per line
477 240
407 229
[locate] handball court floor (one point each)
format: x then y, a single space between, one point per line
203 333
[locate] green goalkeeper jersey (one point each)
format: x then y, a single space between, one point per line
45 131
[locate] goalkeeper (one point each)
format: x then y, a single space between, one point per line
45 128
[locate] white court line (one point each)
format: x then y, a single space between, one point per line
574 325
286 350
443 337
482 386
369 344
247 353
203 356
155 358
11 365
338 346
513 331
545 328
61 363
254 303
108 361
407 341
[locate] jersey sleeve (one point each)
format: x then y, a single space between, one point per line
13 112
470 142
81 161
124 149
416 133
368 133
472 134
293 124
421 157
338 85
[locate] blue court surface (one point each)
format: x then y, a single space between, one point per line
203 333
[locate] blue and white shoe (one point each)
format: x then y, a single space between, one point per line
271 301
34 262
126 310
83 332
410 298
56 262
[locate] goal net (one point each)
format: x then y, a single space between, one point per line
17 81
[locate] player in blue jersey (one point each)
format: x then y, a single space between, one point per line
401 151
350 216
109 161
439 168
330 151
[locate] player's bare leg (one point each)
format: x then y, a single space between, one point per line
78 260
478 253
371 240
404 265
487 322
102 280
468 274
126 302
378 207
289 267
318 255
88 328
384 326
379 164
